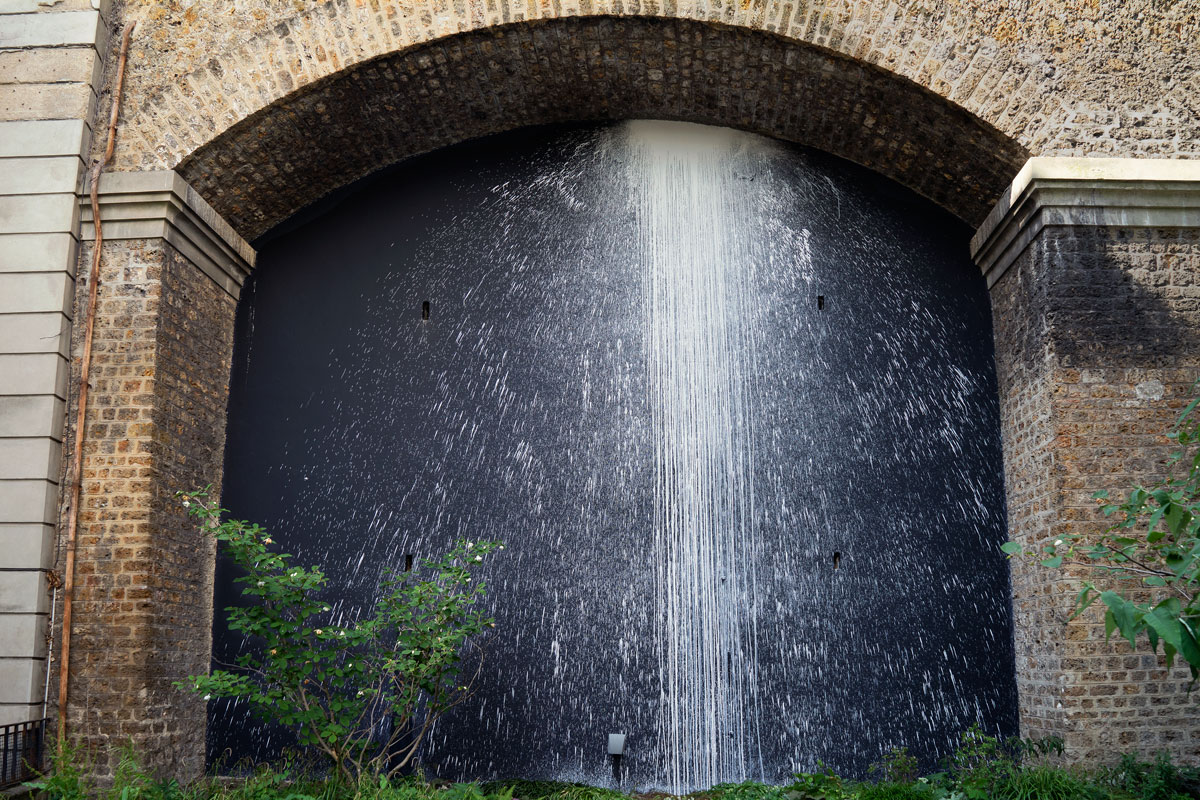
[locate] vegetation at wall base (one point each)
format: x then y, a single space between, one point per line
981 768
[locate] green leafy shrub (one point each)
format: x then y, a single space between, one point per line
338 686
1039 782
131 782
68 776
896 766
824 785
888 790
741 791
1156 780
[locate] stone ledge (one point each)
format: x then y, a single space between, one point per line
1094 192
161 205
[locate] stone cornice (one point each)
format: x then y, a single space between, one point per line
161 205
1096 192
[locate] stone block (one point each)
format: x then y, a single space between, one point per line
28 501
42 213
22 635
52 29
56 137
48 332
26 545
46 101
35 292
35 457
32 415
40 175
13 713
38 252
31 6
51 65
20 679
33 373
24 592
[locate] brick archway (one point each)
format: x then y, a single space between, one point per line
344 126
264 114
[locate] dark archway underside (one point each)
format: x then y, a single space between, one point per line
337 130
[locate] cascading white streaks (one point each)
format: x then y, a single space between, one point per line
698 343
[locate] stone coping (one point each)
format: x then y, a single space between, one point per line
161 205
1098 192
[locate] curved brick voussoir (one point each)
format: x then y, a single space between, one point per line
212 84
346 125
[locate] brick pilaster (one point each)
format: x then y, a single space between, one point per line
1094 269
155 425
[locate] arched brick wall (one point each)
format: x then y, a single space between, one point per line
347 125
247 90
265 105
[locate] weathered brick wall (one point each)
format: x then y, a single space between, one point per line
265 105
1067 77
439 94
156 421
1097 351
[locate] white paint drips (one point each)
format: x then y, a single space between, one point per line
701 402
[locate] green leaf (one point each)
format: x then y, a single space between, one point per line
1175 638
1053 563
1124 614
1011 548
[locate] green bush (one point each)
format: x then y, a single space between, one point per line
1155 780
1039 783
335 685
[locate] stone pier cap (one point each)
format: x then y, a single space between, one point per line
1095 192
161 205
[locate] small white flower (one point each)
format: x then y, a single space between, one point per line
468 579
262 583
501 547
341 633
469 545
479 558
317 631
1058 542
268 540
360 692
187 503
327 608
208 697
